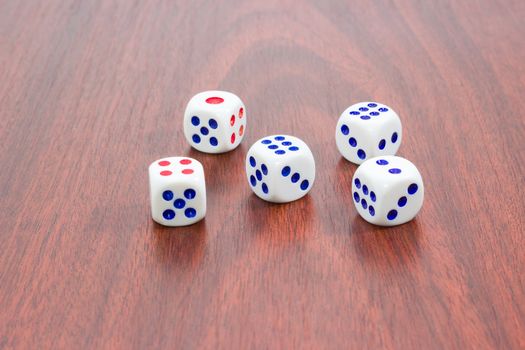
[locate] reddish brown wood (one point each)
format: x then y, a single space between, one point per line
92 91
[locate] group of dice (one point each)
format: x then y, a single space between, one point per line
387 190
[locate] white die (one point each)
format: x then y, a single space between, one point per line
366 130
177 191
215 121
280 168
387 190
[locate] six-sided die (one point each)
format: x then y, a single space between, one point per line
387 190
215 121
366 130
177 191
280 168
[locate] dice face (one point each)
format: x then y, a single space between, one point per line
387 190
280 168
215 121
366 130
177 191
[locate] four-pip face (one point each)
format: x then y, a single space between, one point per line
177 191
366 130
215 121
387 190
280 168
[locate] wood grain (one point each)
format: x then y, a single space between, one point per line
92 91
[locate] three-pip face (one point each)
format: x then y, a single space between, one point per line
177 191
366 130
387 190
280 168
215 121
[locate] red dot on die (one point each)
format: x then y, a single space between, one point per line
232 120
164 163
187 171
185 161
166 173
241 130
241 112
232 139
214 100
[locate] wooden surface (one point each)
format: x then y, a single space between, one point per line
91 92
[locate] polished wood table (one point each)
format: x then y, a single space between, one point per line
91 92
